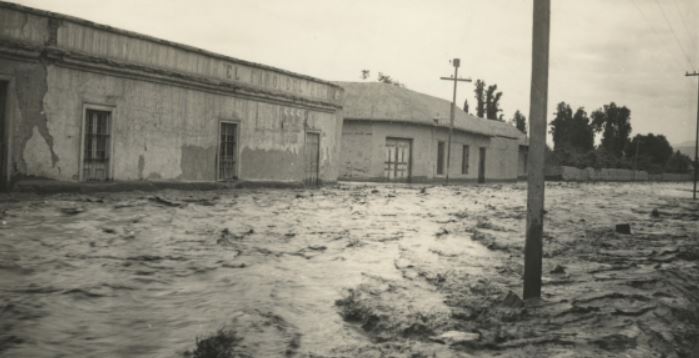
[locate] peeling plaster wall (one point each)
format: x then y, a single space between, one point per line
171 133
355 156
363 151
160 131
29 125
167 101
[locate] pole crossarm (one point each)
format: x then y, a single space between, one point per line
451 78
695 73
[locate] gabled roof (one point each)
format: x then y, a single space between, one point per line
376 101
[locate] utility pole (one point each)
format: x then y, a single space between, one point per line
456 62
537 149
696 140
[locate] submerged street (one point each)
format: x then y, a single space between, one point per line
350 270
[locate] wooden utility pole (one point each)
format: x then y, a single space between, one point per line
456 62
696 140
537 149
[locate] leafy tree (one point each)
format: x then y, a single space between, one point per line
572 132
650 152
520 121
480 98
466 105
678 163
492 102
583 136
365 74
560 126
387 79
615 124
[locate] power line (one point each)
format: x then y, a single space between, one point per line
684 23
662 11
657 32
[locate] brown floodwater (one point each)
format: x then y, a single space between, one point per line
144 274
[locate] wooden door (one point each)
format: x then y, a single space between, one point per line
397 159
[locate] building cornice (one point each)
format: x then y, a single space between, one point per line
84 62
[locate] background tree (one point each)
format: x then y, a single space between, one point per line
573 137
466 105
654 151
678 163
615 124
366 74
492 102
560 126
480 98
520 121
387 79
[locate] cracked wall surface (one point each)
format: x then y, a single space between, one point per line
166 101
158 131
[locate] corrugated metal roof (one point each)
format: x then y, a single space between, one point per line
385 102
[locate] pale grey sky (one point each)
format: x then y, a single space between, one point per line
632 52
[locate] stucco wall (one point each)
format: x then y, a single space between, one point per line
502 160
159 131
363 151
167 101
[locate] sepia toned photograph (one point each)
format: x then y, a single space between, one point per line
349 178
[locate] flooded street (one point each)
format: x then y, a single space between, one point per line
351 270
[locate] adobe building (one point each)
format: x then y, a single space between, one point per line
83 102
395 134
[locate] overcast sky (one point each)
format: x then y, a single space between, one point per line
632 52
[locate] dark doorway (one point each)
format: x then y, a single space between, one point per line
481 165
440 158
228 151
96 160
397 164
311 158
3 136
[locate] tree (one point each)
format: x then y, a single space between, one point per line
560 126
520 121
571 133
387 79
615 124
492 102
366 74
678 163
480 98
466 105
653 153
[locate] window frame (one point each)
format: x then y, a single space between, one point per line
81 155
237 149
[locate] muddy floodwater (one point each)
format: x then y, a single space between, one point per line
350 270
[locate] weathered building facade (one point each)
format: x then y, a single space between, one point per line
396 134
81 101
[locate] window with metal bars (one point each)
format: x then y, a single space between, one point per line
227 158
97 145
